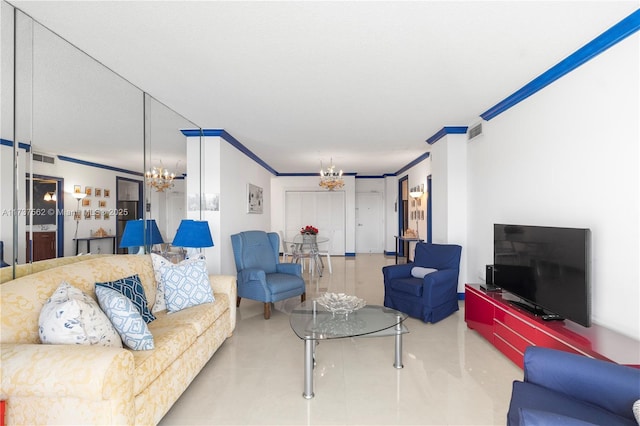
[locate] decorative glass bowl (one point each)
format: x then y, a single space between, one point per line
340 303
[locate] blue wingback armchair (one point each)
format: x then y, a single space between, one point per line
433 297
261 276
561 388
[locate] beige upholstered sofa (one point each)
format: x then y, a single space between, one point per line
75 384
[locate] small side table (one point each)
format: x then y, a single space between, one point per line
89 239
403 239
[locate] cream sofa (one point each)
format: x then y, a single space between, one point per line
73 384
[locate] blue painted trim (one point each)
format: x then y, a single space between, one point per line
447 130
413 163
21 145
349 255
100 166
370 177
460 296
604 41
389 253
231 140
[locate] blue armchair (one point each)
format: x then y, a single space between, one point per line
433 297
261 276
561 388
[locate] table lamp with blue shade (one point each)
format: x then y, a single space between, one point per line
193 234
134 235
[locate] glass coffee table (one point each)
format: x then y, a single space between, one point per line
312 323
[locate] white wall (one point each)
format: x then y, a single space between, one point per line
226 171
568 156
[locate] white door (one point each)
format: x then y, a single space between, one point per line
324 210
369 223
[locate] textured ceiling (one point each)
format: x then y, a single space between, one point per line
299 82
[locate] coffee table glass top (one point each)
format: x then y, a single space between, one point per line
369 320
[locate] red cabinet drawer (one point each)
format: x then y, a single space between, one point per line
543 339
521 327
509 351
515 340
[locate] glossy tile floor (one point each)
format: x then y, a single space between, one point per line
451 376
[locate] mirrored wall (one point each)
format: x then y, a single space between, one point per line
77 141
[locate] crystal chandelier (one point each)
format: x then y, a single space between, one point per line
330 179
159 178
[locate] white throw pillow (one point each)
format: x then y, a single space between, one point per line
420 272
636 411
126 319
71 317
158 262
186 284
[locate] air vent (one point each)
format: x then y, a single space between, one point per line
474 131
42 158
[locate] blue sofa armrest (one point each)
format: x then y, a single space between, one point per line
604 384
529 417
391 272
440 283
289 268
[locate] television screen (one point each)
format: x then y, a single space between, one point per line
547 267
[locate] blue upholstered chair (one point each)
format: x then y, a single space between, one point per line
562 388
261 276
432 297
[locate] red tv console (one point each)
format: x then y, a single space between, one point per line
511 329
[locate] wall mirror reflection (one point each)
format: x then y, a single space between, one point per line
84 139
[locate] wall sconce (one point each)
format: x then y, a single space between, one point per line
50 196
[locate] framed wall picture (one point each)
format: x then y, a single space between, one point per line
255 199
107 193
98 192
77 189
87 190
98 214
87 214
86 202
102 204
106 215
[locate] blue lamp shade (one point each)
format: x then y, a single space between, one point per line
194 234
134 234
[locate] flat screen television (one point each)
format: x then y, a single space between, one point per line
547 268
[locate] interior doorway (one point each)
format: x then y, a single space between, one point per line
129 206
45 225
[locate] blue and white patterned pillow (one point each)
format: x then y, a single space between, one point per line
186 284
126 319
71 317
132 288
158 262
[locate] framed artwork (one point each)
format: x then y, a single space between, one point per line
86 202
102 203
87 214
106 193
255 199
77 215
98 214
77 189
98 192
87 190
106 215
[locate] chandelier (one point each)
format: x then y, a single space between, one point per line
330 179
159 178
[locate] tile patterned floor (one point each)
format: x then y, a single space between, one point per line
451 376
